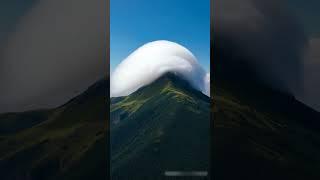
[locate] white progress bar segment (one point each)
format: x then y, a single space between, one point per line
186 173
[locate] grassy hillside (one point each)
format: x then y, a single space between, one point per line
161 127
165 124
260 133
68 142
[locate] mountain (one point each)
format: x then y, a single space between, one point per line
67 142
257 133
260 132
163 126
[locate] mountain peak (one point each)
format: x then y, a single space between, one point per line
155 116
170 84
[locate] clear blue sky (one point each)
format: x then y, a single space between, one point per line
136 22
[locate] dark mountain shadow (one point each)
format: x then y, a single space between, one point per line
258 132
67 142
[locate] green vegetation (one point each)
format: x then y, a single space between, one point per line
68 142
169 130
260 133
165 124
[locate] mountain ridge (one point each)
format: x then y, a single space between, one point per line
63 144
260 131
148 124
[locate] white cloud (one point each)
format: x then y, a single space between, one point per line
151 61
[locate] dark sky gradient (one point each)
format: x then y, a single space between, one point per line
54 51
308 14
279 39
271 39
10 13
311 95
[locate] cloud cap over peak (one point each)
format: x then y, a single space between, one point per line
151 61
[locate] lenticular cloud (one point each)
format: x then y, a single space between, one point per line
151 61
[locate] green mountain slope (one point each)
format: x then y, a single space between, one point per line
260 133
161 127
68 142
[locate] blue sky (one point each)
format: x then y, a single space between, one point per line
136 22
